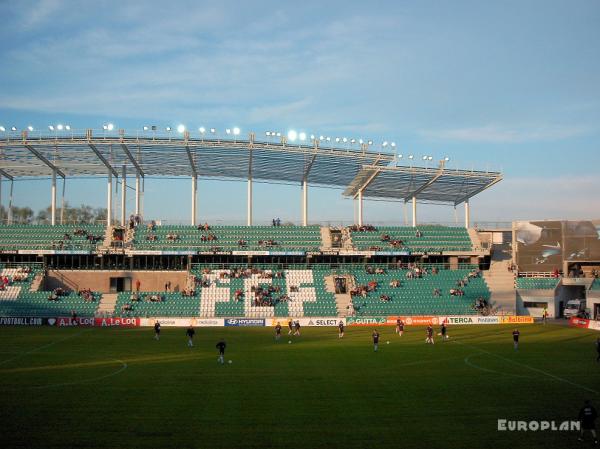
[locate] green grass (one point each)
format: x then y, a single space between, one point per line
68 387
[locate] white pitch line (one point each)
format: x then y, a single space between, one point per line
560 379
39 348
93 379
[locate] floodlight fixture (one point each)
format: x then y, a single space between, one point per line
68 127
292 135
59 127
50 127
30 128
302 136
236 131
180 128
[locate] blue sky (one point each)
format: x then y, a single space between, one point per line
507 85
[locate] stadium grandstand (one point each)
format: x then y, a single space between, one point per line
131 267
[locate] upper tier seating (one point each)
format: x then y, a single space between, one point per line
537 283
432 239
19 236
416 296
283 238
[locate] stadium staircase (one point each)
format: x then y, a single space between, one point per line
325 238
37 282
107 304
347 239
342 300
476 241
501 281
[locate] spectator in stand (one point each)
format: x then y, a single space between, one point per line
278 221
437 293
555 273
418 234
137 285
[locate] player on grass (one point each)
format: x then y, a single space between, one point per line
190 332
297 328
444 331
598 349
515 335
291 326
429 339
375 340
221 345
399 326
587 417
157 330
278 331
341 329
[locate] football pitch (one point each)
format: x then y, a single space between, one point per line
117 387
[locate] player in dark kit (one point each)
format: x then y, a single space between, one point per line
444 331
515 335
297 327
190 332
341 329
399 327
598 349
291 326
156 330
429 339
587 416
375 340
278 331
221 345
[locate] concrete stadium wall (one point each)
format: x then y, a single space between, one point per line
99 280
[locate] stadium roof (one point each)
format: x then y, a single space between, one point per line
375 173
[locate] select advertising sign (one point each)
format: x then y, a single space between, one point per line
513 319
22 321
244 322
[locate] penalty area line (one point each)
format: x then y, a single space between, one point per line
552 376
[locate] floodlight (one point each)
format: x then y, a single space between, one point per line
50 127
13 128
213 130
328 139
385 144
168 129
110 126
321 138
312 137
292 135
424 158
393 144
202 130
145 128
2 129
337 139
278 134
30 128
353 141
302 136
360 141
399 156
180 128
446 158
228 131
370 142
68 127
411 156
268 133
430 158
236 131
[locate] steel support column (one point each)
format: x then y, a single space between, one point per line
53 199
194 198
124 196
249 222
414 211
109 200
304 202
467 214
360 208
